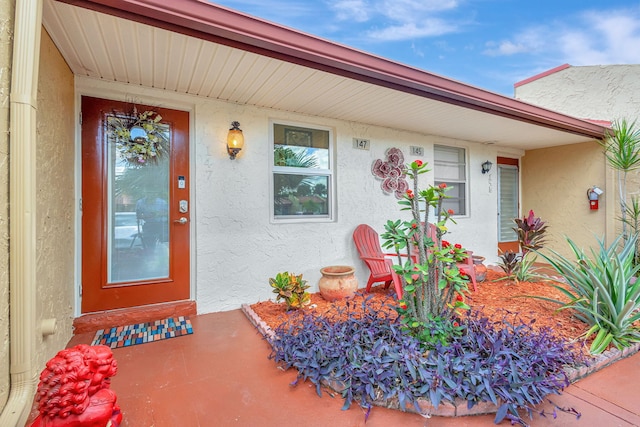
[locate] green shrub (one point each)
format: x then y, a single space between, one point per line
291 288
520 267
603 290
426 264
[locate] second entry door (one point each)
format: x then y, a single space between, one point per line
508 204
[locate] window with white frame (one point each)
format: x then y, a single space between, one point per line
450 168
302 172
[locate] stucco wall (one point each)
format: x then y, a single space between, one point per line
600 92
7 12
237 248
554 184
55 208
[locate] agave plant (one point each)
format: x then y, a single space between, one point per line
603 291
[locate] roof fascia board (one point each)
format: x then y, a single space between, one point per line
208 21
541 75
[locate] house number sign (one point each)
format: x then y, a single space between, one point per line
361 144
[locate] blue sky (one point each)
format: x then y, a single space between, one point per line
486 43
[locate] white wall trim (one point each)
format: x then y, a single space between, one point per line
120 92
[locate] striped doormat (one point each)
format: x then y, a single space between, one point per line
125 336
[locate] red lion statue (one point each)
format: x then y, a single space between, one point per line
74 389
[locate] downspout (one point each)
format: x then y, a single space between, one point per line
22 215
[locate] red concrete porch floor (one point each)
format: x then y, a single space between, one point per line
221 376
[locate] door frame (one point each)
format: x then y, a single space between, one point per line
515 164
124 93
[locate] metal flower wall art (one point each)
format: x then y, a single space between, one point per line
391 172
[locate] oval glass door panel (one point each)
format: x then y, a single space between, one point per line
138 210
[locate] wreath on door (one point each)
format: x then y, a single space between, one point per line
140 139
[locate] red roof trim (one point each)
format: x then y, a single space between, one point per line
541 75
201 19
605 123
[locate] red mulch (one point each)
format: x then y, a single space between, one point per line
492 298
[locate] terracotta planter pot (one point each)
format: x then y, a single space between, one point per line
337 282
479 267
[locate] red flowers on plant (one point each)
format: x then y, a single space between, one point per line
459 297
403 305
410 194
445 244
414 225
442 186
457 246
418 162
456 324
462 273
450 212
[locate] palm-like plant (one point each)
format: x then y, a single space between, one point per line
632 219
603 290
621 147
286 183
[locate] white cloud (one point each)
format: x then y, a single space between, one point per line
408 10
412 30
346 10
609 38
528 41
506 48
402 19
590 38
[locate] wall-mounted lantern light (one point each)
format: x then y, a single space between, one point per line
486 167
235 140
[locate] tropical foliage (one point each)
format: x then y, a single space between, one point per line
632 219
291 288
603 290
367 351
433 286
530 231
622 150
288 184
531 234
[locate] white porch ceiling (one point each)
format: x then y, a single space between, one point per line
114 49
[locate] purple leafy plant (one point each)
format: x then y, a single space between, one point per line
368 352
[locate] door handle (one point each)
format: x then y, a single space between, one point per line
182 220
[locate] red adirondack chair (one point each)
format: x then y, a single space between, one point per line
368 245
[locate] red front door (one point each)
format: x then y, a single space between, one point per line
135 205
